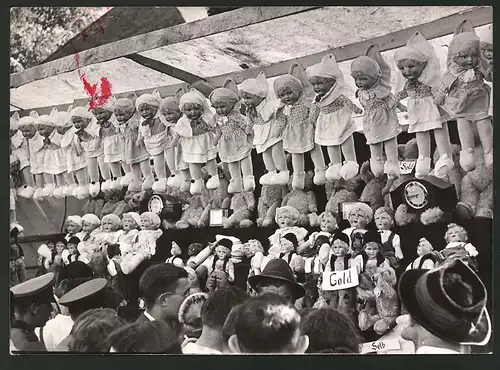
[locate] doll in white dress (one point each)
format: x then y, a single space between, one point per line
176 253
128 235
110 231
90 228
19 146
73 227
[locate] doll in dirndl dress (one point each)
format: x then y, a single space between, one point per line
331 113
381 126
19 147
233 135
267 129
298 134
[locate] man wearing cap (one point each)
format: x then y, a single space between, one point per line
32 308
277 277
447 309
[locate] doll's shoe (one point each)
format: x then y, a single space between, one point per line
116 184
186 185
488 159
377 166
135 185
443 166
94 189
48 190
59 192
299 181
81 192
235 185
320 177
266 178
127 179
213 182
467 160
160 185
333 171
106 185
392 170
26 191
280 178
70 189
349 170
249 183
174 181
37 195
196 186
148 183
423 167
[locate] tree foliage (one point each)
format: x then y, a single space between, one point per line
36 32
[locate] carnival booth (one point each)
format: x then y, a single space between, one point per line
333 137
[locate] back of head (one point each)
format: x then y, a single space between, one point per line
218 305
267 324
229 327
159 279
330 331
145 337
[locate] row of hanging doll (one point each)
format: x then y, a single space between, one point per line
184 133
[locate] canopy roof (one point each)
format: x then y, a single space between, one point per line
237 44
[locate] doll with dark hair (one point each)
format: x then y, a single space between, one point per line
222 267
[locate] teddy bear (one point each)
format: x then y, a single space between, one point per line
372 192
178 196
112 200
219 198
303 201
193 210
341 191
93 205
270 199
242 205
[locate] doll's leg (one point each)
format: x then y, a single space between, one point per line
50 185
82 191
485 131
319 165
130 265
445 162
39 186
28 189
175 179
236 182
71 185
185 175
351 168
282 175
392 164
247 171
267 156
93 169
376 160
466 135
105 173
213 181
161 173
147 172
299 176
116 173
423 166
197 181
61 185
136 182
335 156
125 181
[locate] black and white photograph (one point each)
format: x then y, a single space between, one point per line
251 180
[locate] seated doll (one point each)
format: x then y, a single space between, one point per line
254 250
286 218
176 253
314 265
427 259
90 229
222 269
458 246
74 227
110 231
71 254
359 215
288 244
391 243
371 255
327 224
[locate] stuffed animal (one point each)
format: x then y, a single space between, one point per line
270 199
303 201
112 198
93 205
218 198
191 215
242 205
372 192
455 175
180 196
340 192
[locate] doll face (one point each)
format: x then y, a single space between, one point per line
108 225
287 95
357 218
285 220
286 246
363 81
72 248
147 223
51 245
223 108
171 115
88 227
175 250
62 130
147 111
251 100
192 111
455 234
222 252
251 247
328 223
372 251
123 116
467 59
423 248
411 69
45 130
80 123
339 248
102 115
28 131
322 85
72 228
383 221
487 51
60 246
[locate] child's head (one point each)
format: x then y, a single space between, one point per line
254 90
455 233
110 223
327 222
424 247
27 127
288 243
288 89
286 216
45 125
61 245
360 214
90 222
366 72
251 247
340 244
384 218
73 245
464 50
223 100
80 117
194 249
372 249
131 221
175 250
150 221
73 224
147 105
123 109
487 50
170 109
102 114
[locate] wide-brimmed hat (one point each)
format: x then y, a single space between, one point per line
278 269
422 293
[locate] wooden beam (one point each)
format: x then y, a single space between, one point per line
155 39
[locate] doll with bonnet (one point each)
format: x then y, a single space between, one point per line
19 147
267 130
331 113
298 134
90 229
419 66
110 230
196 140
381 126
286 218
233 135
74 227
427 258
135 154
465 95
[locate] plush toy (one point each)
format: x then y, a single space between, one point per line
359 216
93 205
298 135
372 76
254 250
222 272
342 191
465 96
419 66
303 201
135 154
270 199
458 247
242 207
233 135
327 224
193 210
427 258
391 243
112 200
19 147
331 113
176 253
220 198
196 140
372 192
267 128
90 228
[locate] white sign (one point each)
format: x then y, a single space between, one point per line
338 280
406 167
217 216
381 346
